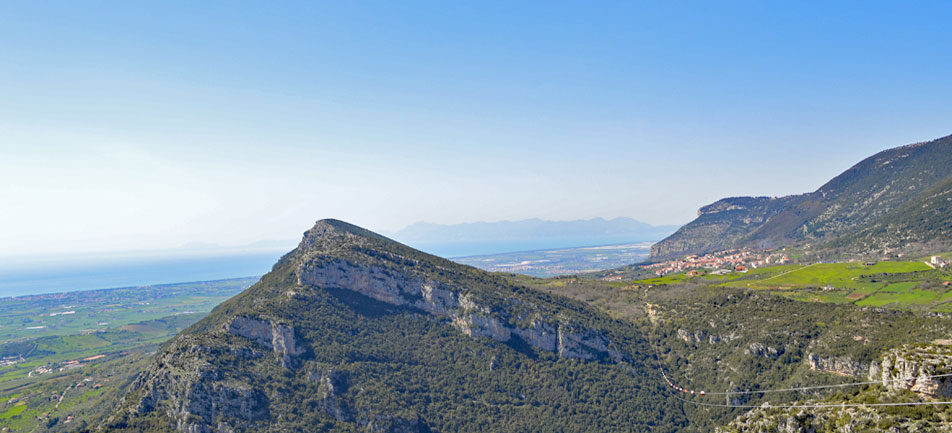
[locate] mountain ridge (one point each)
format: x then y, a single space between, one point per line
862 196
350 319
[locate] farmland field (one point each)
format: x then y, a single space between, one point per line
905 285
62 352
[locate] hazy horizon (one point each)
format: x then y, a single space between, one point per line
80 271
135 126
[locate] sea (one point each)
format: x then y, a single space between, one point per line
75 273
68 273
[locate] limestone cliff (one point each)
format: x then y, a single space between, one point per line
841 365
913 367
350 320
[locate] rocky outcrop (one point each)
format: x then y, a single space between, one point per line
277 337
693 337
540 334
800 422
914 367
463 309
847 420
841 365
333 383
194 395
837 419
584 344
348 323
760 349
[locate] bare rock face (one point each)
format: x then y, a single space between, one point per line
277 337
540 334
462 309
214 377
693 337
333 383
843 365
478 325
760 349
584 344
192 393
912 367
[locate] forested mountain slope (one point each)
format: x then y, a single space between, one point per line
354 332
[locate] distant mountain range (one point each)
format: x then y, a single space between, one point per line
898 199
479 238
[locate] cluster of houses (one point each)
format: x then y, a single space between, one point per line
68 365
938 262
720 262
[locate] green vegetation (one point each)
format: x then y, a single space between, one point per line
388 362
721 338
72 400
400 367
834 419
890 284
896 200
903 285
79 363
839 275
34 316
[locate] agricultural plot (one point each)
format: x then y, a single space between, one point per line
34 316
61 354
906 285
70 400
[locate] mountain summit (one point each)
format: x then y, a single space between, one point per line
897 198
353 331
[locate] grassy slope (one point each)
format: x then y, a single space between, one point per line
903 285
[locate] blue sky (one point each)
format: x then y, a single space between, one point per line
138 125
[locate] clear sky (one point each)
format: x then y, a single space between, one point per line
138 125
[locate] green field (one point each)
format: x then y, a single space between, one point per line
907 284
59 365
837 275
64 401
890 284
34 316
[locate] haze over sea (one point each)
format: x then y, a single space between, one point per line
68 274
